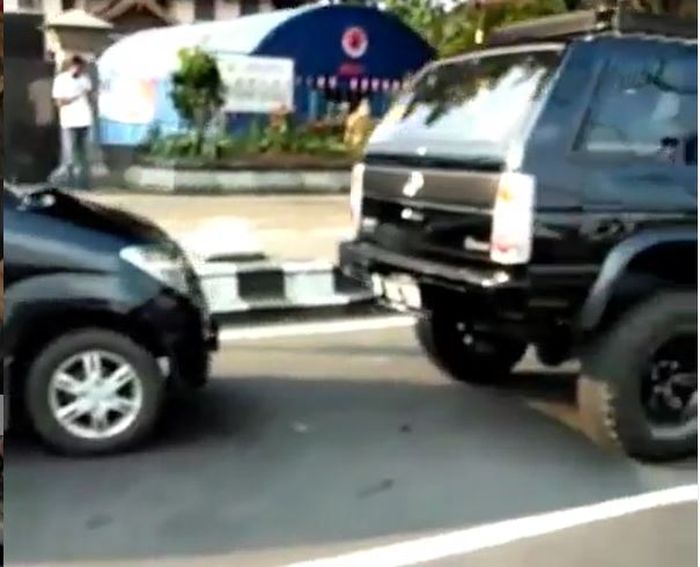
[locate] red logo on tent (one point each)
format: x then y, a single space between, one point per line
355 42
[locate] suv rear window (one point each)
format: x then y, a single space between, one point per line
645 106
468 107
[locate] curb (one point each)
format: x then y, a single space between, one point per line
264 285
232 182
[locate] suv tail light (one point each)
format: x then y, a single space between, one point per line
512 226
356 191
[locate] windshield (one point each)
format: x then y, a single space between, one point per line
468 108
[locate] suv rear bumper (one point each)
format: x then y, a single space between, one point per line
361 259
523 302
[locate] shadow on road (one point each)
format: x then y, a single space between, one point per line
558 387
261 462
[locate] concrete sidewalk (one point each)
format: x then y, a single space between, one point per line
286 227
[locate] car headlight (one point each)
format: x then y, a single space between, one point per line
165 264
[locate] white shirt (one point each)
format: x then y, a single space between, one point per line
78 113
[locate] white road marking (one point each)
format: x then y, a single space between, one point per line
318 328
465 541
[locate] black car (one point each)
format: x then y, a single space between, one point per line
543 192
103 316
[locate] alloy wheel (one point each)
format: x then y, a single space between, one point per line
95 394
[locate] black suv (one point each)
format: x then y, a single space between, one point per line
543 192
103 315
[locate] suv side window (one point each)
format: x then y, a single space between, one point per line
645 106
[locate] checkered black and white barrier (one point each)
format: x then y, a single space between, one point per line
237 287
238 277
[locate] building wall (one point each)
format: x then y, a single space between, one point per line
52 7
48 7
22 5
226 10
181 10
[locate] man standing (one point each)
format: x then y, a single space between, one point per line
71 92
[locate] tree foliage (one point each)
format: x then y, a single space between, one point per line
197 89
451 30
427 17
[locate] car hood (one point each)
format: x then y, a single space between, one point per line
91 217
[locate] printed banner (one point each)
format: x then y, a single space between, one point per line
256 84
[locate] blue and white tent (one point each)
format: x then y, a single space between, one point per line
346 50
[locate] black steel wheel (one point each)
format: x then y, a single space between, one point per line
638 388
669 387
464 355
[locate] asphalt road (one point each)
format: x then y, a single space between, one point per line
313 446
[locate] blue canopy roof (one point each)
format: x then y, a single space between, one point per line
354 49
315 36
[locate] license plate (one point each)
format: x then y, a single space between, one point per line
399 290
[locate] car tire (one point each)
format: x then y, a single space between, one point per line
610 389
146 379
486 360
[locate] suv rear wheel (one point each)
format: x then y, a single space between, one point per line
638 389
93 391
465 356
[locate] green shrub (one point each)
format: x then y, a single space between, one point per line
280 136
197 91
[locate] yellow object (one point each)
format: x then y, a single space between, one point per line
358 126
395 114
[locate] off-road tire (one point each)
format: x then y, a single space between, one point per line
609 388
489 363
41 369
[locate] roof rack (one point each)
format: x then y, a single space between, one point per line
566 27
